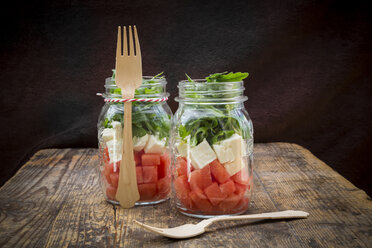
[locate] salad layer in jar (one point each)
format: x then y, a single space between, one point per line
213 146
150 130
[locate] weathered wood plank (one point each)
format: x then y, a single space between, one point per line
55 200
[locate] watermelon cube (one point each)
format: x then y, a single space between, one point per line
108 169
241 177
111 192
163 187
214 194
182 189
228 188
139 174
219 172
149 159
147 191
163 168
149 174
229 203
200 178
114 179
106 177
138 157
242 204
200 201
181 166
105 155
240 189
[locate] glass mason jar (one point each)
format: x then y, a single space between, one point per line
212 144
151 133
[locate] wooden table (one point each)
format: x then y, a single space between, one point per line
55 200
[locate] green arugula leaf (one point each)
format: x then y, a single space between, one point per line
189 78
147 118
222 123
227 77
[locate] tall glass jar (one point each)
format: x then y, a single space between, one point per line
212 142
151 132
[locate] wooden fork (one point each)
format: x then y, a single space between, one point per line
128 77
192 230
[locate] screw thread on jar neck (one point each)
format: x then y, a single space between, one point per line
200 91
150 88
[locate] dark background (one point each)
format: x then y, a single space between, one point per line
310 66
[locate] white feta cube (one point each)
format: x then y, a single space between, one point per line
182 149
108 134
140 142
234 166
244 148
202 154
114 148
118 129
235 143
224 153
154 145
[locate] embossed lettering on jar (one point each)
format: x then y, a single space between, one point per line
151 132
212 139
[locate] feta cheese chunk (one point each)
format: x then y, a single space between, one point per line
154 145
236 145
108 134
114 148
224 153
202 154
118 129
140 142
229 149
116 132
182 149
234 166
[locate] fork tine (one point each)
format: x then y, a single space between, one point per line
118 45
131 44
138 49
125 42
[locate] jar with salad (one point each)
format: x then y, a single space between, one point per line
151 134
212 141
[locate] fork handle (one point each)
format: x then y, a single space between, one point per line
127 192
288 214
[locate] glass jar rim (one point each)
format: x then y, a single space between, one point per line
220 95
159 82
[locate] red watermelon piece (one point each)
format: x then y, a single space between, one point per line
228 204
105 155
114 179
111 192
242 204
240 189
200 178
149 174
200 201
241 177
139 174
163 187
108 169
147 191
219 172
228 188
182 188
214 194
164 165
138 157
150 159
181 166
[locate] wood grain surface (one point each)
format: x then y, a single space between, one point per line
55 200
